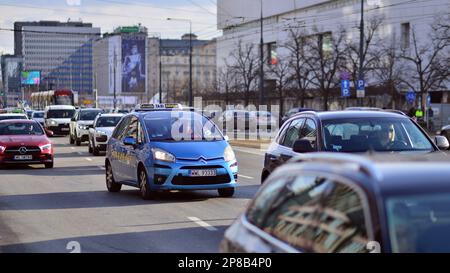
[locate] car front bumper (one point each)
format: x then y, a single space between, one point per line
175 176
61 129
37 159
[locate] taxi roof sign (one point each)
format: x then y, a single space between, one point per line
158 106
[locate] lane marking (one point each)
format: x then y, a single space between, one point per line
80 153
101 168
244 176
202 223
73 148
88 159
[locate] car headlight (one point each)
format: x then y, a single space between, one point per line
83 127
101 133
228 154
163 155
53 123
46 147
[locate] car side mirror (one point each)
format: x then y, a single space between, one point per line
302 146
129 141
442 142
49 133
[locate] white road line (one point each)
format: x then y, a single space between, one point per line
73 148
101 168
202 223
88 159
244 176
80 153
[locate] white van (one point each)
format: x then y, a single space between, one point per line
57 118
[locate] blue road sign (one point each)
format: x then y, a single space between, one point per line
360 89
411 96
345 88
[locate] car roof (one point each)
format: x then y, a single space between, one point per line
111 115
89 109
356 114
388 174
18 120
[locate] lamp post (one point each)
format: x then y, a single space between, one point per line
191 99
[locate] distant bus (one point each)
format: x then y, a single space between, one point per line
40 100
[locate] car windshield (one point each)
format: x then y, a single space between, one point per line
12 117
89 115
419 223
60 113
38 114
20 128
181 126
107 121
374 134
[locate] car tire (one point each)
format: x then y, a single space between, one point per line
49 165
226 192
78 142
95 151
146 192
111 184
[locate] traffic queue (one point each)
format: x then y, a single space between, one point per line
358 180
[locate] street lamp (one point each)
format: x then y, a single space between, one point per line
191 99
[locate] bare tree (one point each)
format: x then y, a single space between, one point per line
296 48
388 68
225 80
326 56
282 75
369 55
428 63
245 64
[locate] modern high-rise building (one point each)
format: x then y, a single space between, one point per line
61 51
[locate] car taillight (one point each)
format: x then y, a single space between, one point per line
2 149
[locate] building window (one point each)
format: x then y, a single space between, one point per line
406 35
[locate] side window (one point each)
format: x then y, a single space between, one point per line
282 133
309 132
141 134
343 225
293 133
132 130
293 217
119 131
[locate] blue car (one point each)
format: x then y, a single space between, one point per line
163 149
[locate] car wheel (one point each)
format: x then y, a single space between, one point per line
49 165
227 192
111 184
96 151
78 142
146 192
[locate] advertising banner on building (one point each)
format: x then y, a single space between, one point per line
12 75
133 64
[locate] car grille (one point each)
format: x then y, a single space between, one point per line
15 150
189 181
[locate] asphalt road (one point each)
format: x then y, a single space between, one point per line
44 210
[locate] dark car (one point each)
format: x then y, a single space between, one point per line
294 111
349 132
336 203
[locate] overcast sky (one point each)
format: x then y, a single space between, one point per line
108 14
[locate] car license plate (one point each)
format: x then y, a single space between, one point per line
64 129
23 157
196 173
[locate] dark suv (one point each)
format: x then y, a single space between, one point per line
340 203
348 132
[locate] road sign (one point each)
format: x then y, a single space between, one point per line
411 97
360 89
345 88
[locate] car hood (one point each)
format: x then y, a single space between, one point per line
107 130
23 140
193 150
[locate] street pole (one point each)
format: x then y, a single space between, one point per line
160 74
361 48
261 52
115 92
191 99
